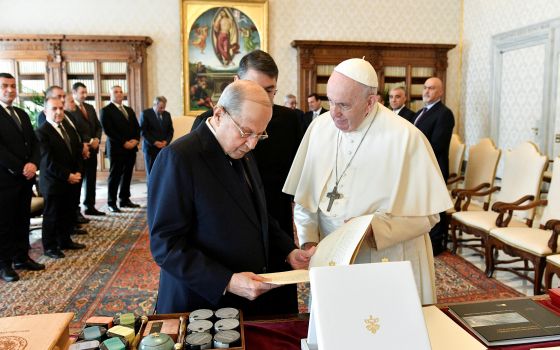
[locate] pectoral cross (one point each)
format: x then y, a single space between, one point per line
333 195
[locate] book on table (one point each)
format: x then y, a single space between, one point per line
338 248
508 322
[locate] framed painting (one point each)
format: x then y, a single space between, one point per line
215 35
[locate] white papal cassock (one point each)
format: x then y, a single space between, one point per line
394 175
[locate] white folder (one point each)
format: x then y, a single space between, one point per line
366 306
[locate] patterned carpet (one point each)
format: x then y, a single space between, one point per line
116 273
458 280
113 274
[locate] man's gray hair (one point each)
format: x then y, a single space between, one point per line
289 97
159 99
236 93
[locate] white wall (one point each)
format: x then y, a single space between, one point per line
159 20
483 19
428 21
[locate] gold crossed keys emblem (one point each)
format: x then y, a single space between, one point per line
372 324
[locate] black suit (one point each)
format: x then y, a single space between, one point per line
274 158
437 124
58 161
307 118
89 128
17 148
119 130
206 224
152 130
407 114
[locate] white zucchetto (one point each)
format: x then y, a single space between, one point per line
359 70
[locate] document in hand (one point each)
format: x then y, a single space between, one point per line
338 248
366 306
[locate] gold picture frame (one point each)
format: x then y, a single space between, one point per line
215 35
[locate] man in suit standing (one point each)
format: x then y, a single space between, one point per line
123 135
209 228
436 121
156 129
397 100
19 160
315 110
61 174
90 130
56 91
275 155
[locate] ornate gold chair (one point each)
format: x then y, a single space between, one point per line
479 175
528 244
456 155
521 181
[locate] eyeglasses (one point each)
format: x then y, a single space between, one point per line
243 134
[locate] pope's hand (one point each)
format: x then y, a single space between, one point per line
248 285
299 259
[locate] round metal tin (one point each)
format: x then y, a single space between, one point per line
200 326
199 341
227 312
226 339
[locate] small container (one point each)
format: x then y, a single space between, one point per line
201 326
116 343
227 312
93 333
127 320
122 332
85 345
156 341
201 314
226 324
198 341
226 339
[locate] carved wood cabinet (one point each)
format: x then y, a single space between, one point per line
100 62
396 64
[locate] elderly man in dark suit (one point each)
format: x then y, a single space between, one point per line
209 228
90 130
61 174
156 129
436 121
123 135
397 100
19 160
275 155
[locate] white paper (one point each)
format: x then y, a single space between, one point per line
287 277
339 246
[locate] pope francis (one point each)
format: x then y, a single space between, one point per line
360 158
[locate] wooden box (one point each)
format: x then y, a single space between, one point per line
48 331
168 316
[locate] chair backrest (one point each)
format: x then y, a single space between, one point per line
181 125
456 154
482 165
552 209
523 171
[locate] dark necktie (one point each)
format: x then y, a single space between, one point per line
123 111
14 116
83 110
241 173
422 112
65 136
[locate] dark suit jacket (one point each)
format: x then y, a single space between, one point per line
204 227
437 124
274 158
57 162
42 119
17 148
307 118
119 129
152 130
407 114
88 128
